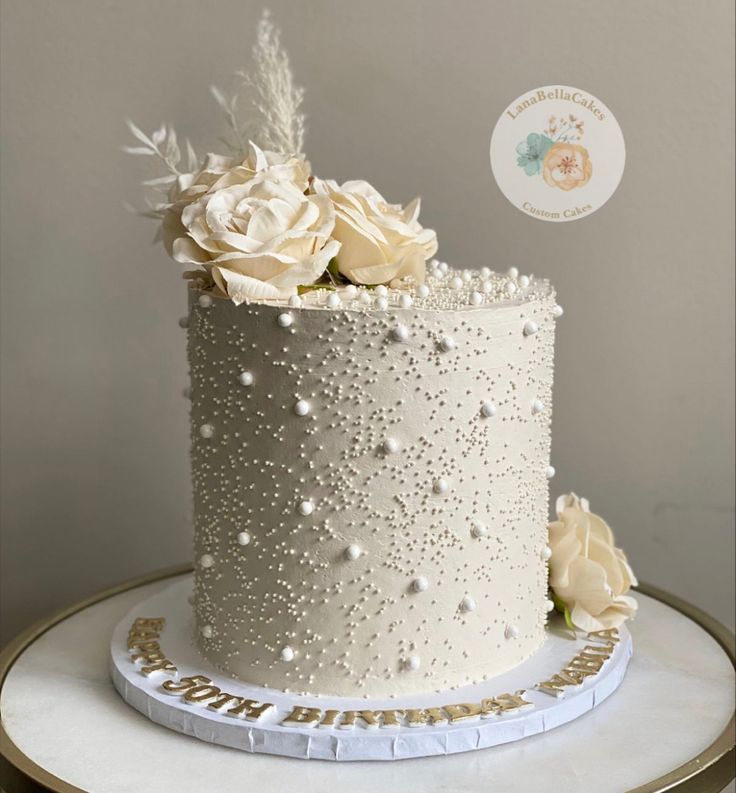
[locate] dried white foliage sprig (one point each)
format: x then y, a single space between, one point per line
164 145
279 122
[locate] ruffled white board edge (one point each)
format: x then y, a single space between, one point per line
268 736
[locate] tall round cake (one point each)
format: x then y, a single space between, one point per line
370 472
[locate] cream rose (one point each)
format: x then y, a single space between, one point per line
380 241
218 172
260 239
587 573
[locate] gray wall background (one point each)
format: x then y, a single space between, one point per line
405 94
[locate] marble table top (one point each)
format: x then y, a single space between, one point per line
60 709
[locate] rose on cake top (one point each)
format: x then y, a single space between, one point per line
380 242
257 224
588 575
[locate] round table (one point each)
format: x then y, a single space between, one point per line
670 726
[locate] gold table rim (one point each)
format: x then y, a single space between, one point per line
712 767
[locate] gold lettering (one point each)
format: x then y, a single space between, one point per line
164 665
347 719
139 636
149 623
224 699
302 717
462 711
370 719
602 650
329 719
144 647
202 693
504 703
390 718
418 717
609 635
592 664
184 684
250 709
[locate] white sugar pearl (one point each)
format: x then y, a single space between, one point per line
486 287
206 631
549 605
485 273
420 584
205 301
468 604
206 430
353 552
350 292
550 471
488 409
444 266
183 322
302 407
206 560
245 378
295 301
381 290
524 281
306 507
364 298
285 320
381 303
530 328
513 272
510 288
476 298
333 300
287 654
441 486
187 392
447 343
537 406
546 553
478 529
243 538
413 663
391 446
456 282
400 333
467 276
511 632
405 301
422 290
557 311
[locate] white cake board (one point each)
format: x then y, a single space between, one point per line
269 736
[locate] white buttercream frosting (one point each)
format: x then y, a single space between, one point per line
391 443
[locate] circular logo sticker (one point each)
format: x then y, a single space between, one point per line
557 153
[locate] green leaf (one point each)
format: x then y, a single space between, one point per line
564 610
311 287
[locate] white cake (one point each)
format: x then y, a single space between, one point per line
371 483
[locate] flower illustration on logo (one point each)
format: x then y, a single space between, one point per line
555 155
531 153
567 165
